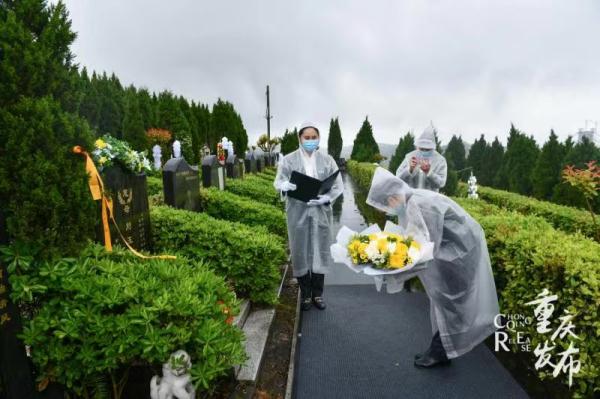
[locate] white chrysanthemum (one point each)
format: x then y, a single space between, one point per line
372 250
414 254
392 247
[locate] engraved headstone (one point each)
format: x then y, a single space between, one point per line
232 165
213 173
130 206
250 162
181 185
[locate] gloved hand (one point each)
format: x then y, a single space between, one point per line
287 186
321 200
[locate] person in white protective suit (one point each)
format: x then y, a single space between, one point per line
459 280
424 167
309 223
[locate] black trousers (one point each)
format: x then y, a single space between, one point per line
311 285
436 349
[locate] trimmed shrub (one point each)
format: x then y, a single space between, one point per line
43 186
361 172
255 188
562 217
225 205
248 258
103 312
528 255
155 185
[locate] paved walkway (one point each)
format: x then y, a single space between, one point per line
363 345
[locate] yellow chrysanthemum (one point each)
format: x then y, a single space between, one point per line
401 249
397 260
100 144
102 160
382 244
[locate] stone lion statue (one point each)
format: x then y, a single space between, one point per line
176 381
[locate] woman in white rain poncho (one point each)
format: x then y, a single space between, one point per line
459 279
309 224
424 167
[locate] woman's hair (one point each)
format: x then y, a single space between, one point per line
308 127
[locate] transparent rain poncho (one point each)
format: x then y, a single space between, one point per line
459 279
310 228
436 177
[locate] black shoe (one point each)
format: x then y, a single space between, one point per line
319 303
427 361
306 304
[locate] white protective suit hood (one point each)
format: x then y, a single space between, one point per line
427 138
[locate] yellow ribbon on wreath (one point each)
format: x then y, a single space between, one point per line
97 188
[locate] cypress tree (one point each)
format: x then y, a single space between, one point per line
405 145
546 173
476 160
519 161
289 141
43 186
494 161
365 147
133 125
334 141
455 151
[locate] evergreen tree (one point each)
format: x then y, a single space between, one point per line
110 118
43 186
519 161
580 154
334 141
493 162
405 145
133 125
289 141
89 108
476 160
438 143
451 186
147 109
226 122
455 151
365 147
546 174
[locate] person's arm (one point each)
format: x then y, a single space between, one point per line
403 170
284 171
438 173
336 189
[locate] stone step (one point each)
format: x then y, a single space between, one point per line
240 319
256 329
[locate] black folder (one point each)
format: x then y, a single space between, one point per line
308 188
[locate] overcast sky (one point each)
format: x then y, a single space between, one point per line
470 66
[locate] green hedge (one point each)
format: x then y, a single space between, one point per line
226 205
562 217
248 258
101 313
362 173
256 189
155 185
528 254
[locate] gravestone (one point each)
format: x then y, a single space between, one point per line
250 162
15 371
213 173
260 162
233 167
129 194
181 185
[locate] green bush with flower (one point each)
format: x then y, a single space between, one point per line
109 151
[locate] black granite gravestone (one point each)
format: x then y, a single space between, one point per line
213 173
250 162
181 185
260 162
130 207
15 371
232 165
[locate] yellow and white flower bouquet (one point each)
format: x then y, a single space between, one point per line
375 252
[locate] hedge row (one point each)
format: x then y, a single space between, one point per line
256 189
155 185
248 258
562 217
102 312
528 255
362 173
226 205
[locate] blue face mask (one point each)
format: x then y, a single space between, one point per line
426 154
310 145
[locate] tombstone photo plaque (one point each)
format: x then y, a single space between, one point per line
181 185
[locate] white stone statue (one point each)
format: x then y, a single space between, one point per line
176 149
227 145
472 182
156 154
176 381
